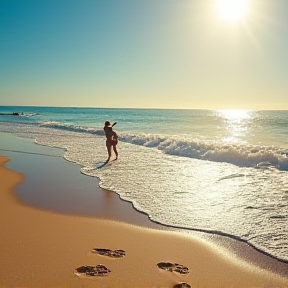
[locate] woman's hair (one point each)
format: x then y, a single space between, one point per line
107 123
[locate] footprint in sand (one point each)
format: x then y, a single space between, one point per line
182 285
92 271
109 253
178 268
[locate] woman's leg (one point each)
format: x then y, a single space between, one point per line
109 147
115 151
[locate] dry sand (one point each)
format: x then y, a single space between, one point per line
42 249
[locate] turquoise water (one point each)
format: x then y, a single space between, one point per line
217 171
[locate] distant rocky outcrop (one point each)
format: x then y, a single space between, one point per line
14 113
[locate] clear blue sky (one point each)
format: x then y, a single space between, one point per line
143 53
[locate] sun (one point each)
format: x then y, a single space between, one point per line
232 10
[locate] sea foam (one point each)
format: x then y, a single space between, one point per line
243 155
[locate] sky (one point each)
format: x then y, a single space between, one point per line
182 54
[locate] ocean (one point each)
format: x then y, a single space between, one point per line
223 172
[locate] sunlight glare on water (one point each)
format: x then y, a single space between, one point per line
236 124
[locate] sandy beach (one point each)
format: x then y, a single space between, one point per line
42 248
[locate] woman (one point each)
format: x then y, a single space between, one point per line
111 139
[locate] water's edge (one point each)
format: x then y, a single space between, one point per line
216 236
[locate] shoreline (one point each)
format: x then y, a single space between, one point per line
235 250
48 257
80 194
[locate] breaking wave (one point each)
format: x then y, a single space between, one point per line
243 155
